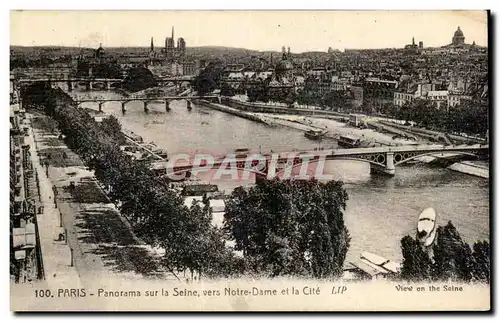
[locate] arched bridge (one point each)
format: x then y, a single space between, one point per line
179 80
147 100
88 82
381 159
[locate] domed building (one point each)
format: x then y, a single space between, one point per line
458 38
284 70
282 80
99 52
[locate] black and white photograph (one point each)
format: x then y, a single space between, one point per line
250 160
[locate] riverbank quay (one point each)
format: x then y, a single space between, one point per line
464 167
103 244
431 134
232 111
314 111
265 108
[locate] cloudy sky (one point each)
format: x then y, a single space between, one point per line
259 30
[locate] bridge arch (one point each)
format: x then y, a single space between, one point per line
98 85
401 158
377 160
280 170
115 84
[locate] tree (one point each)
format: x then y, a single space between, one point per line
208 79
481 262
112 127
138 79
290 227
416 263
452 258
227 90
157 213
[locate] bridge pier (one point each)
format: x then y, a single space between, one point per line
70 85
188 102
167 105
388 170
123 107
100 106
145 103
108 85
88 86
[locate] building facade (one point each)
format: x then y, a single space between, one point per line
172 52
458 38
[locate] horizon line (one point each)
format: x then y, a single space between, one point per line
229 47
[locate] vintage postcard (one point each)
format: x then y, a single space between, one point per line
249 161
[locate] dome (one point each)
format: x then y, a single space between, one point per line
458 33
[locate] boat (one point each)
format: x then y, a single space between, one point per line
241 152
199 189
315 134
131 135
349 141
426 227
380 261
161 152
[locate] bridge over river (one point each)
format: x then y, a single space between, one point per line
381 159
146 100
91 83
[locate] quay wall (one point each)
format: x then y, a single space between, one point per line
430 133
231 111
263 108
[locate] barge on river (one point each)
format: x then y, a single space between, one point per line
315 134
349 141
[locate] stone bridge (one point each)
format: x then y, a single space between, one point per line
89 83
147 100
92 83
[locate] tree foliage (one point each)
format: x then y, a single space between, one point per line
208 79
138 79
156 212
290 227
416 263
470 117
451 259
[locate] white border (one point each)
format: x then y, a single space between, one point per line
213 4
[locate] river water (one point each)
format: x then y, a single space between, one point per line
380 210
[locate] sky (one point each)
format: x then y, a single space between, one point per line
258 30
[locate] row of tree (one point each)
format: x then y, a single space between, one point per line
470 117
451 258
156 212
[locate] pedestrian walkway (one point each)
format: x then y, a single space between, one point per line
103 244
56 254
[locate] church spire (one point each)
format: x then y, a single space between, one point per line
172 32
152 45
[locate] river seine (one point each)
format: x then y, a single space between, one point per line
380 210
